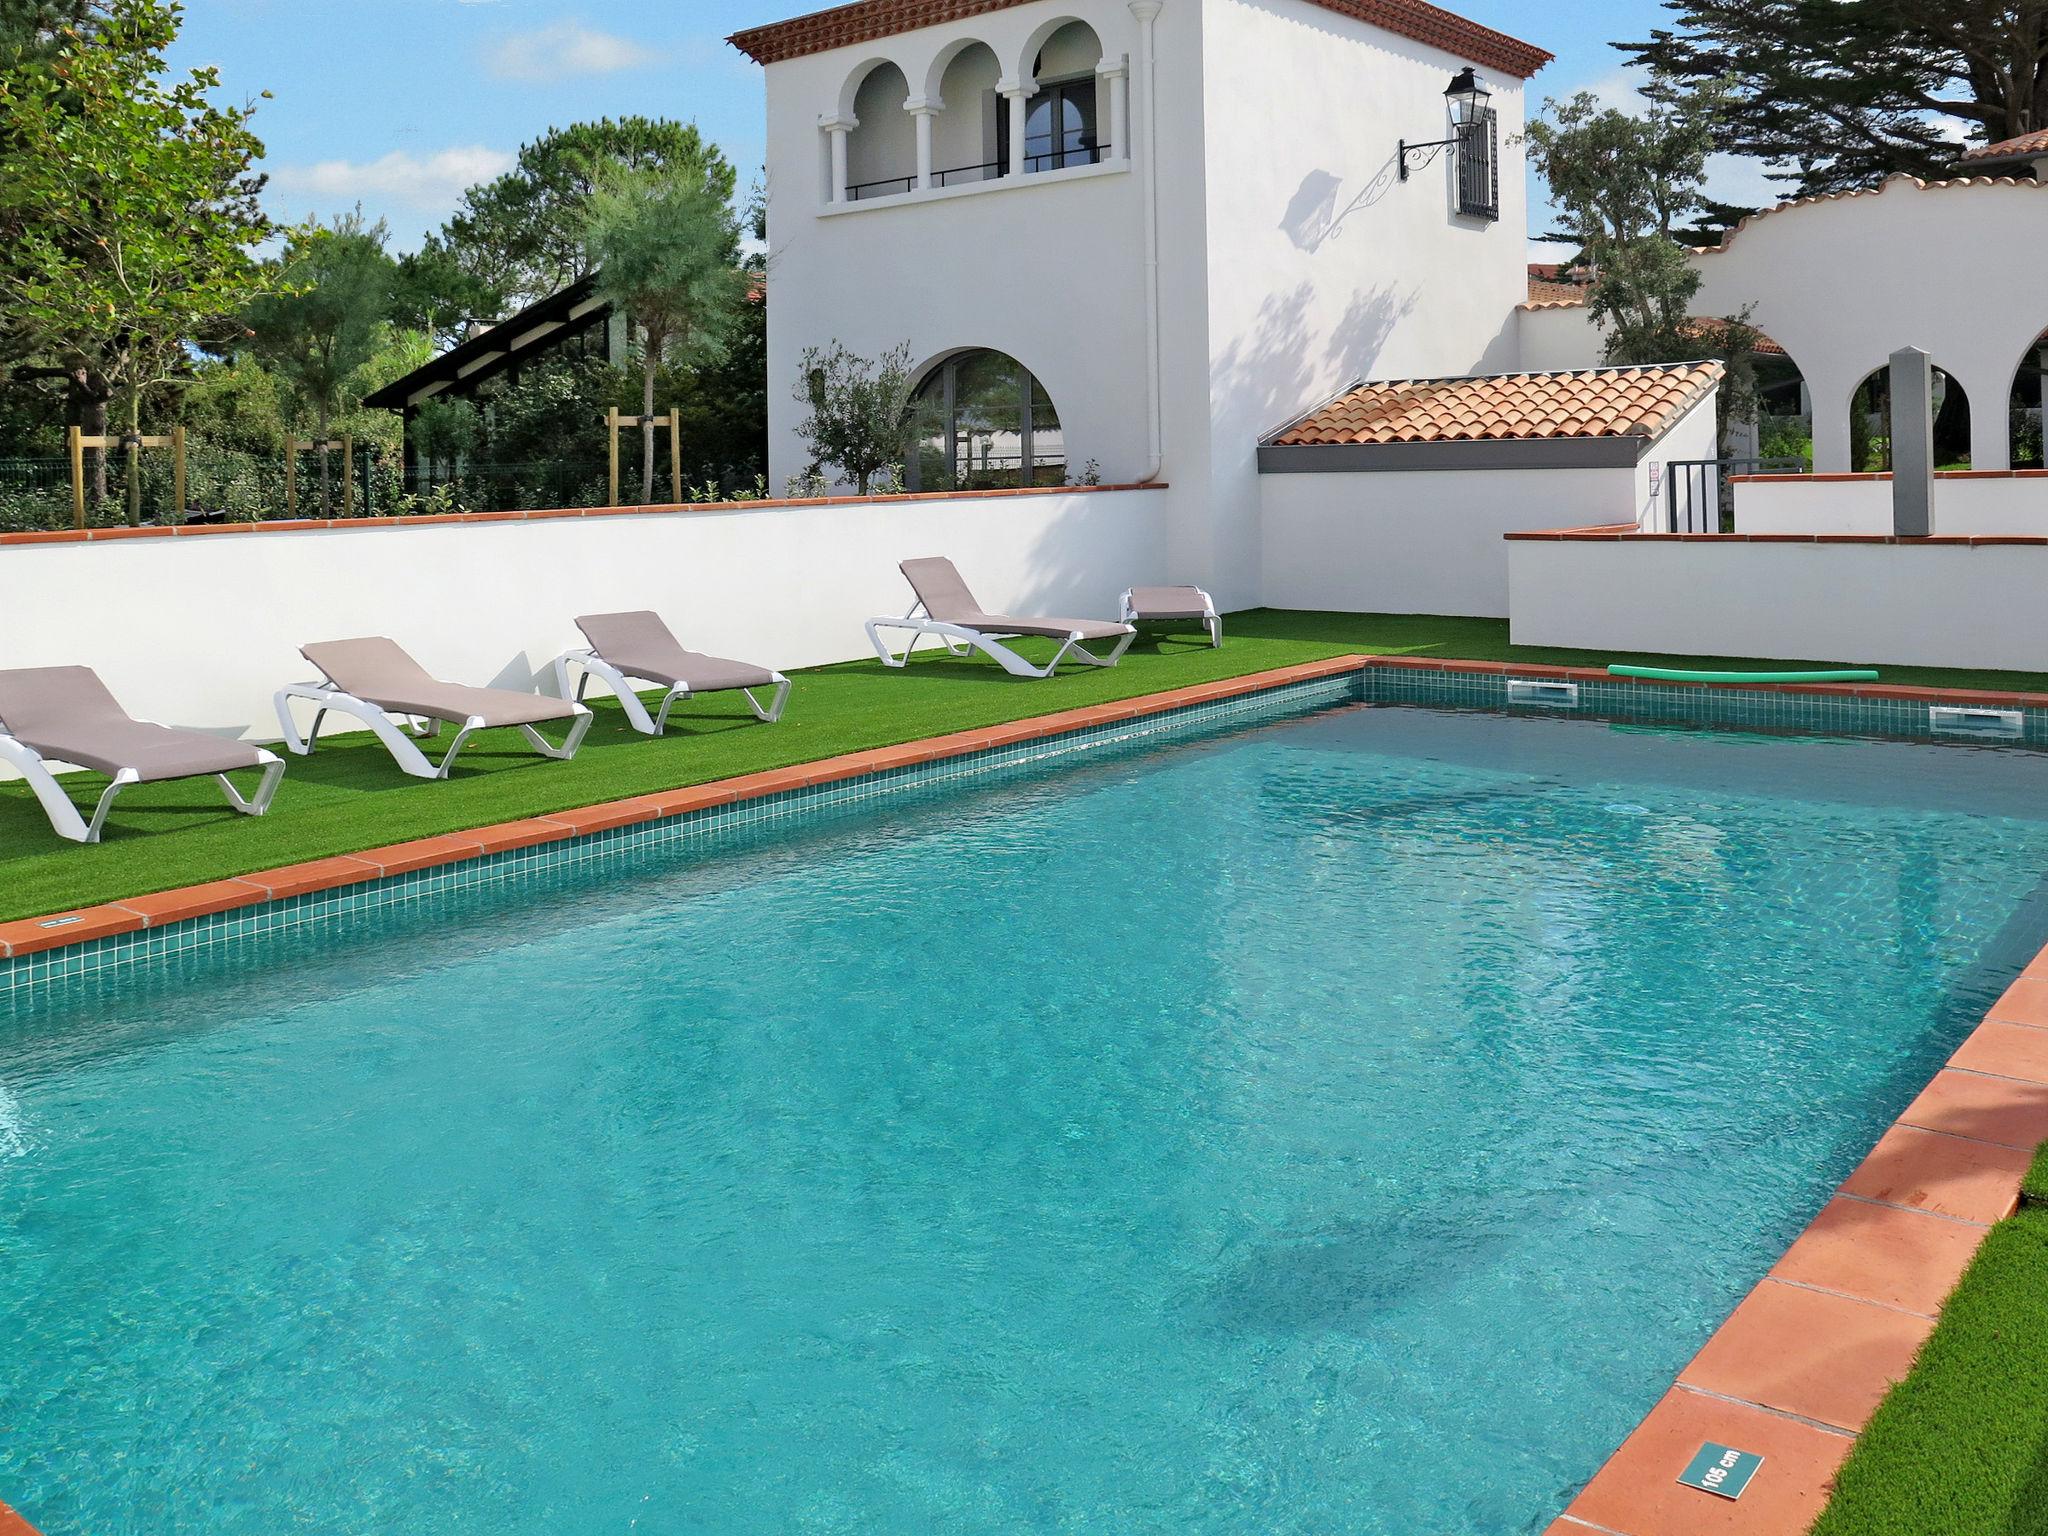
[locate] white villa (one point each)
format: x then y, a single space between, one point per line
1271 255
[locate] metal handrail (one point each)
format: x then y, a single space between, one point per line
987 170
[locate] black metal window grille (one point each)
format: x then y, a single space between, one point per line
1478 152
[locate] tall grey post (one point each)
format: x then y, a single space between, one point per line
1912 443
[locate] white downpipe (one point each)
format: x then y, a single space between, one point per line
1147 12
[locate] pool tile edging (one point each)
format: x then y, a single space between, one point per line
1797 1369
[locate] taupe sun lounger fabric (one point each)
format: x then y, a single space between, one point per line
946 598
641 645
379 672
1167 603
67 714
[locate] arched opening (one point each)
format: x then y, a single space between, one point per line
981 421
1870 423
1784 410
881 154
964 134
1063 120
2029 386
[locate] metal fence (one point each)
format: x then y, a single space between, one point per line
1698 497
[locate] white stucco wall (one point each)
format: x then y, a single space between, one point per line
1842 284
1963 504
496 602
1433 541
1558 337
1323 267
1422 541
1048 269
1903 605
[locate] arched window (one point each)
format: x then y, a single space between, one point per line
2029 390
981 421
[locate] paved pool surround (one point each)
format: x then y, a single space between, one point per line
1794 1372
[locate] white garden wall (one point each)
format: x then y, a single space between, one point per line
1950 605
1976 504
200 631
1429 541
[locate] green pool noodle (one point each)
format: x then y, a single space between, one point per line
1686 675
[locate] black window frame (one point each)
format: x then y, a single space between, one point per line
1057 158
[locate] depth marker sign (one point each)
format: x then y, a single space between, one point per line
1721 1470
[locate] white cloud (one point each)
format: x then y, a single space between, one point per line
563 50
431 182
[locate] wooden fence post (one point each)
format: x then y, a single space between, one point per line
132 441
675 452
611 421
178 468
291 476
77 437
348 475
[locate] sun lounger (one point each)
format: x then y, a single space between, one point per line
1165 605
629 646
947 611
66 715
379 684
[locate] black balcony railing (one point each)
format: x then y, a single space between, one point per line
989 170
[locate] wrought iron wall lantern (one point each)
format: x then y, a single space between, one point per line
1467 99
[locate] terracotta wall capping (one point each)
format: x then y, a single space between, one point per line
546 514
1885 476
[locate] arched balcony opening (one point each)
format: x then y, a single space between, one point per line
881 140
1057 108
981 421
1870 423
965 91
2029 387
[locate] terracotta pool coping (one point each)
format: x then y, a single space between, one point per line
1793 1373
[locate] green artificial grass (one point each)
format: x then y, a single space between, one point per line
349 796
2034 1188
1960 1447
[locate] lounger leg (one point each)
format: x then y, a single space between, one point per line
565 751
775 707
266 791
64 818
596 666
1088 658
389 731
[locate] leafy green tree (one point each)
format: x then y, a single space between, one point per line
326 318
523 236
1838 93
127 207
858 410
666 247
1621 184
436 294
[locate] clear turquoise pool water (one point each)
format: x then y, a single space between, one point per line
1346 1125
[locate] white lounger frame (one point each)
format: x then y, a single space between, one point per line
396 731
960 640
64 816
1211 620
621 683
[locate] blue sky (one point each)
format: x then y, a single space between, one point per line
400 104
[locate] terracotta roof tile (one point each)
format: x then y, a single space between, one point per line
1593 402
866 20
2027 146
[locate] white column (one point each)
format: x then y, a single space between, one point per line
923 111
1017 95
1112 73
839 128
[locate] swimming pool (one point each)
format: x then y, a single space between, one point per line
1350 1123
